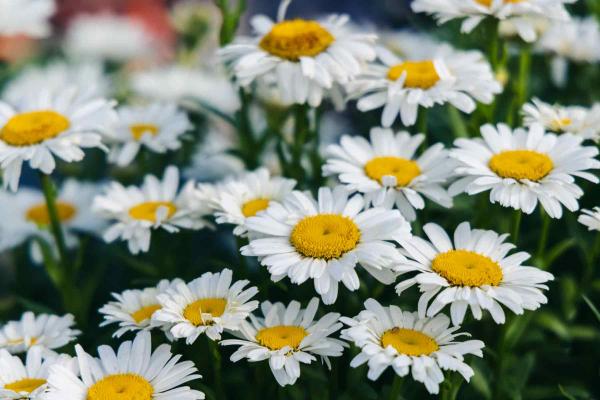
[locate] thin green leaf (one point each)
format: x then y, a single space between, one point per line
591 306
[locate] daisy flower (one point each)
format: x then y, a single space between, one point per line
424 347
206 305
134 308
475 271
590 218
577 120
474 11
133 372
400 86
46 124
237 199
522 167
306 59
287 337
157 127
48 331
27 380
387 172
325 239
26 17
156 204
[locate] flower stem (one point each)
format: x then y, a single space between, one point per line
516 225
396 388
213 348
523 78
301 135
543 238
55 225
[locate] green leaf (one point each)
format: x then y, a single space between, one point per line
591 306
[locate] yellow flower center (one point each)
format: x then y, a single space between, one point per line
402 169
521 164
252 207
409 342
296 38
488 3
33 127
14 342
419 74
139 130
26 385
326 236
39 214
278 337
213 306
144 313
467 268
121 387
147 211
559 124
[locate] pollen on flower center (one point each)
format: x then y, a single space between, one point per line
559 124
33 127
521 164
467 268
296 38
252 207
278 337
488 3
144 313
147 211
409 342
419 74
121 387
325 236
213 306
402 169
27 385
139 130
39 214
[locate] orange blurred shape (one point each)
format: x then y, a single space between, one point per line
16 48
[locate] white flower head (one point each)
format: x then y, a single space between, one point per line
324 239
473 271
156 204
157 127
523 167
305 60
590 218
422 346
26 17
287 337
387 171
46 124
48 331
206 305
400 86
134 371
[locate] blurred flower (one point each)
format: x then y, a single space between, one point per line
401 86
287 337
134 371
509 28
47 331
590 218
324 239
27 17
157 127
206 305
523 167
139 210
412 45
390 337
384 170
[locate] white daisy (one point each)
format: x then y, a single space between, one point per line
307 59
154 205
133 372
239 198
48 331
157 127
590 218
386 171
26 17
474 11
206 305
133 309
424 347
577 120
523 167
475 271
287 337
324 240
46 124
401 85
27 380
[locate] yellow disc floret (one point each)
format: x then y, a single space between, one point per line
278 337
467 268
145 313
419 74
33 127
402 169
325 236
521 164
213 306
121 387
252 207
147 211
409 342
296 38
39 213
26 385
139 130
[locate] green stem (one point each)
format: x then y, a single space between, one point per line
213 348
301 135
248 146
523 78
396 387
55 225
516 225
494 43
422 121
543 238
450 387
457 123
